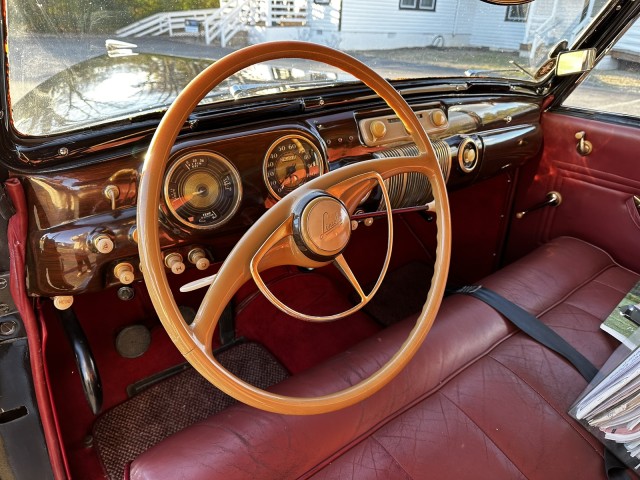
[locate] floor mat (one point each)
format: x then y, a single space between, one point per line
127 430
403 293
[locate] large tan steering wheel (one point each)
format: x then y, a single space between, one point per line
308 227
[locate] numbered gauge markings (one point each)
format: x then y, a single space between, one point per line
291 161
202 190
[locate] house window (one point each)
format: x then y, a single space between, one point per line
428 5
517 13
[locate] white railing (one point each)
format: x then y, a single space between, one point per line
231 17
537 36
171 23
285 12
555 26
221 23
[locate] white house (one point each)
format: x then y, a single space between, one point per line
389 24
375 24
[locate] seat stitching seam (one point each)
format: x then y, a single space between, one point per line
574 290
580 432
583 310
395 460
578 330
610 286
613 262
485 433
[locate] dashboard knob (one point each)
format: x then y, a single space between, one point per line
133 234
378 129
438 118
112 193
124 273
174 262
63 302
198 257
103 243
469 156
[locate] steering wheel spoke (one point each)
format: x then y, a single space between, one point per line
280 249
353 190
342 265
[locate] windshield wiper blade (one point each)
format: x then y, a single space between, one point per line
246 89
478 72
243 90
521 68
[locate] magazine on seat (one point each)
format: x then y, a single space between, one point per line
610 405
625 318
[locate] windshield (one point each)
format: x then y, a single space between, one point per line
79 63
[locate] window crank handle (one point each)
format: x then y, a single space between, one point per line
553 199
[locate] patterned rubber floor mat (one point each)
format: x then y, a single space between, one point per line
127 430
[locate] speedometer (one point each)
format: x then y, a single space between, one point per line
202 190
291 161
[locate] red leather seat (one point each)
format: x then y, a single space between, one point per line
480 399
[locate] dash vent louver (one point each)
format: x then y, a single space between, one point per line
413 189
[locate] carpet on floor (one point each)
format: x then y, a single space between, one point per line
129 429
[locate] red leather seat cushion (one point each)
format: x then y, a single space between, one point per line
479 400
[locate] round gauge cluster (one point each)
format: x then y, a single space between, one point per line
202 190
291 161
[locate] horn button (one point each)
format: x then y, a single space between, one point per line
323 227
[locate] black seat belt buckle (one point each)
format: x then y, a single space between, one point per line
469 289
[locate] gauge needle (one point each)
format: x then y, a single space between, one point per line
293 177
181 201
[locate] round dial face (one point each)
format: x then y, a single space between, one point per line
202 190
291 161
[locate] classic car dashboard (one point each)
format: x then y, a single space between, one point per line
83 223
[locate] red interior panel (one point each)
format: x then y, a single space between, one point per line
597 189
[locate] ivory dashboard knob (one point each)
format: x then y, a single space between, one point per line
124 273
103 243
198 257
174 262
469 156
378 129
112 192
133 234
63 302
438 118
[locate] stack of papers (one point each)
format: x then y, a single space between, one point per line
611 403
613 406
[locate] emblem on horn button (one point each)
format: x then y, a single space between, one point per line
324 226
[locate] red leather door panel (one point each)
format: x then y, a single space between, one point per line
597 189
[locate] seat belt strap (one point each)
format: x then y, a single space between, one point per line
532 326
